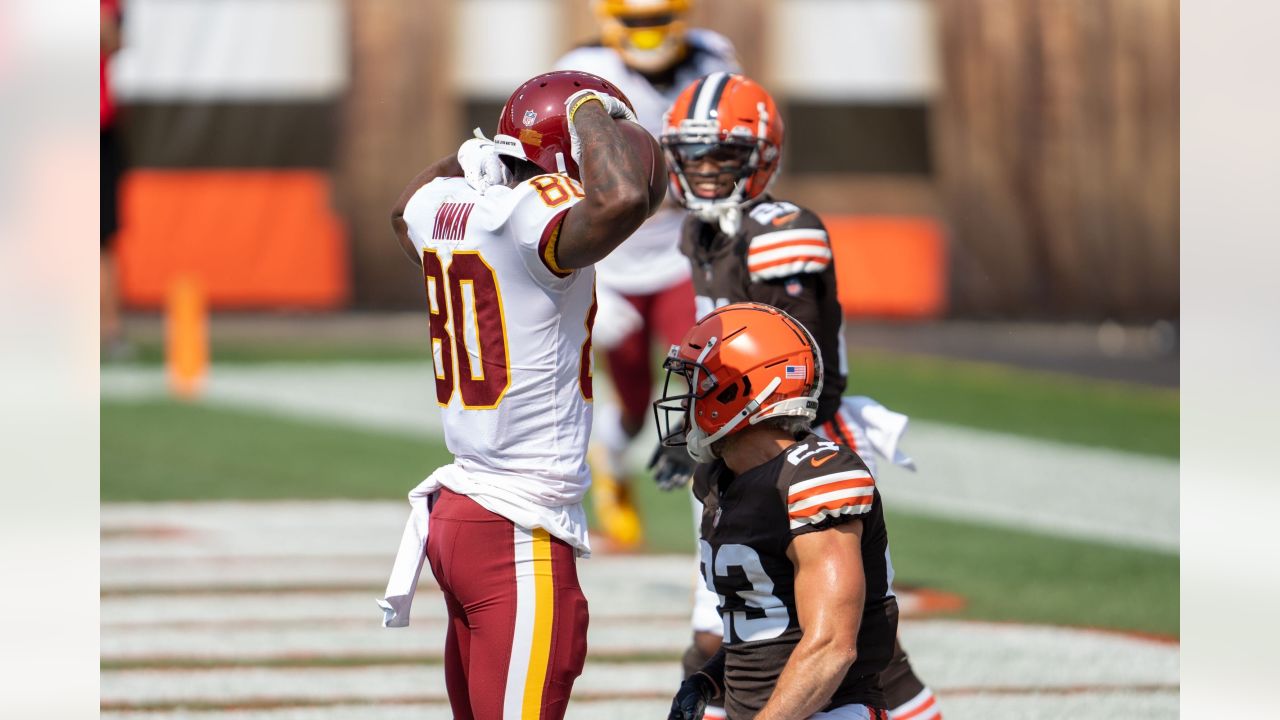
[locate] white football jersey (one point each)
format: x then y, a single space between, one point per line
510 335
650 260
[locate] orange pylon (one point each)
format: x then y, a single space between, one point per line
186 337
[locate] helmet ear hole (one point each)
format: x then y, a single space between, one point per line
728 394
746 385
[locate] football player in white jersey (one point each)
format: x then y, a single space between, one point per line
507 234
643 287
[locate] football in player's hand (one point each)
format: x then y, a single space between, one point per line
646 147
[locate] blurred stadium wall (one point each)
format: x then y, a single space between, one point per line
1034 141
231 112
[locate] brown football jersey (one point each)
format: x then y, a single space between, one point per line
748 522
780 256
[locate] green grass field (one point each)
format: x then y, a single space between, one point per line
168 450
992 397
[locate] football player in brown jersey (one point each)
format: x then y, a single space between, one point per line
723 138
793 538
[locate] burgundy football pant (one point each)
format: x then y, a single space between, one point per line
668 315
517 633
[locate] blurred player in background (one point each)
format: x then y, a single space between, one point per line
723 138
112 158
507 236
643 287
792 533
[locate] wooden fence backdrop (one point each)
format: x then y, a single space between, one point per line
1056 140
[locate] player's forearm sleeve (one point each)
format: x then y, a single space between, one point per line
714 669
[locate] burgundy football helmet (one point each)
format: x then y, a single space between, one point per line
534 125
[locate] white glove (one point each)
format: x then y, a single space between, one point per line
482 166
612 105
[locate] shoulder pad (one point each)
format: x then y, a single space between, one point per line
713 43
786 240
536 207
785 253
826 481
420 210
593 58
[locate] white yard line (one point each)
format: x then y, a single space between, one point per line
1035 671
978 706
615 709
398 397
1155 705
994 478
424 682
961 654
608 604
1038 485
966 657
422 638
638 604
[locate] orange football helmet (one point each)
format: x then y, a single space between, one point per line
743 362
729 117
649 34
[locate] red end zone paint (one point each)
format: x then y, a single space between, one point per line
913 602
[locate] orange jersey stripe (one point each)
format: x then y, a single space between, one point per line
799 242
833 505
756 267
844 429
924 707
830 487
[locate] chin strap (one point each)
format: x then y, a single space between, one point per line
728 217
731 220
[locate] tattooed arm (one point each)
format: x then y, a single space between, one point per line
617 193
446 166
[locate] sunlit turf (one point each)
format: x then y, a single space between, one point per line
168 450
318 350
1052 406
1022 576
1037 404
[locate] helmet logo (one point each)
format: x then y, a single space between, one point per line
531 137
795 372
530 117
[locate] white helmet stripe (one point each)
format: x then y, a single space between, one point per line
709 95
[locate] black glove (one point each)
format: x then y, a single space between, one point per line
692 698
672 467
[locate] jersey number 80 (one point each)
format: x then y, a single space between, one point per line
468 292
470 288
